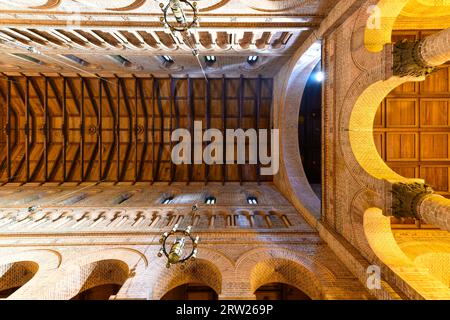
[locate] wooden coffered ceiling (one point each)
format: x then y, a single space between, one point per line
81 129
95 31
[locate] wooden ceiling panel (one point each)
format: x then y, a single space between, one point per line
77 129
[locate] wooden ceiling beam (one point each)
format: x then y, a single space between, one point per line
144 109
207 120
73 164
117 132
100 130
241 111
224 128
191 127
8 131
161 130
153 128
56 93
130 129
82 130
73 93
172 106
136 129
110 156
65 127
258 93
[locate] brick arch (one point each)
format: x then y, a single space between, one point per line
397 267
291 178
378 29
46 259
17 274
218 269
267 265
198 271
78 278
112 266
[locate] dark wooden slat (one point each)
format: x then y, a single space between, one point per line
257 120
44 155
27 129
161 130
82 130
153 128
54 170
136 129
100 129
65 130
38 91
144 109
241 108
54 88
88 88
172 100
91 96
117 125
47 131
8 131
23 97
207 120
192 120
130 130
73 93
110 156
224 128
73 165
177 122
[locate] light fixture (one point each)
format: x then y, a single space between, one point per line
181 22
252 59
319 76
181 237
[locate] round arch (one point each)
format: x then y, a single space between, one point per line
268 265
198 271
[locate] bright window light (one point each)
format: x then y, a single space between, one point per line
319 76
167 59
210 200
252 59
210 59
167 200
252 200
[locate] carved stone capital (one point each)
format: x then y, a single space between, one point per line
406 198
408 60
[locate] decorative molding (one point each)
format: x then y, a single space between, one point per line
407 198
408 60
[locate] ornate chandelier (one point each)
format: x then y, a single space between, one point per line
181 238
180 21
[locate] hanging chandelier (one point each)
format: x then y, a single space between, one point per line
175 18
181 239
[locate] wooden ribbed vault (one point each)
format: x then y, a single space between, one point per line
79 129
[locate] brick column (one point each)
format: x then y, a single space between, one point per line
435 210
435 49
420 58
